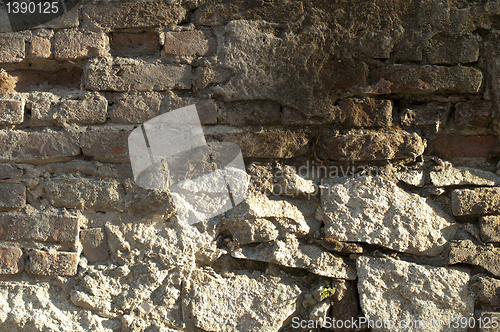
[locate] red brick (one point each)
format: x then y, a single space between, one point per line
457 146
131 44
107 145
71 45
11 49
260 112
11 112
39 48
475 201
95 246
135 109
53 264
43 228
36 147
344 74
408 79
12 196
474 113
190 43
11 260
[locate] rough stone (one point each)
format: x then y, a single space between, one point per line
489 321
36 147
261 112
475 201
189 43
366 112
310 257
105 74
12 196
79 193
106 144
11 260
53 264
487 290
372 146
344 74
135 109
287 182
259 219
456 176
320 311
11 112
484 256
341 248
11 49
245 303
395 290
133 44
375 211
489 228
474 113
73 44
207 108
451 51
474 146
10 172
39 48
408 79
43 227
412 177
432 115
95 245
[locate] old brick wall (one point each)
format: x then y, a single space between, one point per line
391 105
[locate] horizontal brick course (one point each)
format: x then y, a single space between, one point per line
475 146
11 112
12 196
72 45
11 260
135 109
475 201
130 44
106 145
12 49
189 43
53 264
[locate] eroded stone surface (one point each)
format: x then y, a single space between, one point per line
374 210
454 176
487 289
397 290
484 256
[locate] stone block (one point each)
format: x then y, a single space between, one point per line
12 196
11 260
12 49
95 245
53 263
11 111
72 45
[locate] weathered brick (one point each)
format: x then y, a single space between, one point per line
36 147
408 79
43 228
79 193
131 44
207 108
344 74
95 246
474 113
259 112
10 172
129 74
133 14
12 196
445 50
364 112
11 260
71 45
371 146
135 109
489 228
53 264
456 146
90 109
11 112
428 115
11 49
475 201
107 145
189 43
273 144
39 48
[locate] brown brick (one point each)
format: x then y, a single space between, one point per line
133 44
10 172
408 79
11 49
11 260
259 112
39 48
489 228
11 112
71 45
371 146
95 245
475 201
12 196
106 145
364 112
474 113
132 14
36 147
43 228
53 264
427 115
457 146
135 75
135 109
446 50
344 74
190 43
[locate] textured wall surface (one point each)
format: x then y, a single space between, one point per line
370 132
